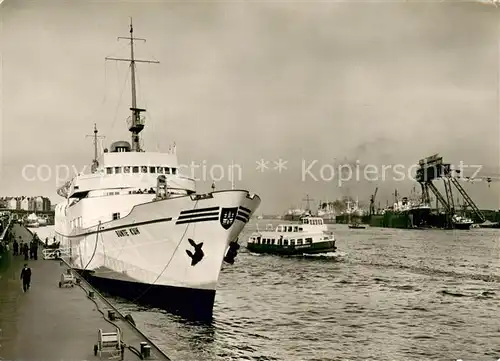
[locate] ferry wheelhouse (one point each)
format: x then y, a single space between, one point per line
309 236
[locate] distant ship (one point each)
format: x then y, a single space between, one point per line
352 214
327 212
409 212
136 228
295 214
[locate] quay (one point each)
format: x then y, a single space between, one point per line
50 322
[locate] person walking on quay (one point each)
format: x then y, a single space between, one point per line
34 249
26 277
15 246
26 252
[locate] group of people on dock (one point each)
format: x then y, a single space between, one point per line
30 251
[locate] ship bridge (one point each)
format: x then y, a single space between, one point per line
121 168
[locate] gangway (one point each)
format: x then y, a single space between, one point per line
56 253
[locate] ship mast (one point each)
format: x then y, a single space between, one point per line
136 122
95 162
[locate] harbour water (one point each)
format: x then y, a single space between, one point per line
389 295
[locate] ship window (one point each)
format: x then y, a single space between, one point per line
285 242
273 241
309 240
295 229
109 170
152 170
118 170
174 170
135 169
116 216
301 229
126 169
159 170
289 229
306 221
167 170
144 169
292 242
299 242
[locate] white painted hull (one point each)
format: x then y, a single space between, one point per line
158 255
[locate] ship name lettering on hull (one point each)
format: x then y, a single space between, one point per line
127 232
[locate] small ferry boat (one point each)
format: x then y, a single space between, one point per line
356 225
309 236
460 222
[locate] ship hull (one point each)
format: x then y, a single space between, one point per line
353 226
166 253
315 248
464 226
190 303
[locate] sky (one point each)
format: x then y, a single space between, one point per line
316 84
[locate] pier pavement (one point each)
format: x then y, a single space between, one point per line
52 323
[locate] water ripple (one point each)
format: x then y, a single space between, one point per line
390 295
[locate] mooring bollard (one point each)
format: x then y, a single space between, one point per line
111 315
147 352
91 294
143 344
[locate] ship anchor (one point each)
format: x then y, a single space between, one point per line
232 252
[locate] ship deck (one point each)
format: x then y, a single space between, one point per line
52 323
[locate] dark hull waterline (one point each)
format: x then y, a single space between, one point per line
189 303
315 248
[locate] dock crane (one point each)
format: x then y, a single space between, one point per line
432 168
372 202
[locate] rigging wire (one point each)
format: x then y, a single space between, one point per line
95 246
105 87
119 101
169 261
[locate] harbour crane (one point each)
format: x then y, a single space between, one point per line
372 202
433 168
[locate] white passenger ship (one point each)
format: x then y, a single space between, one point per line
136 228
309 236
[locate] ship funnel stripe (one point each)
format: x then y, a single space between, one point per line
192 211
198 215
244 220
243 214
245 210
196 220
